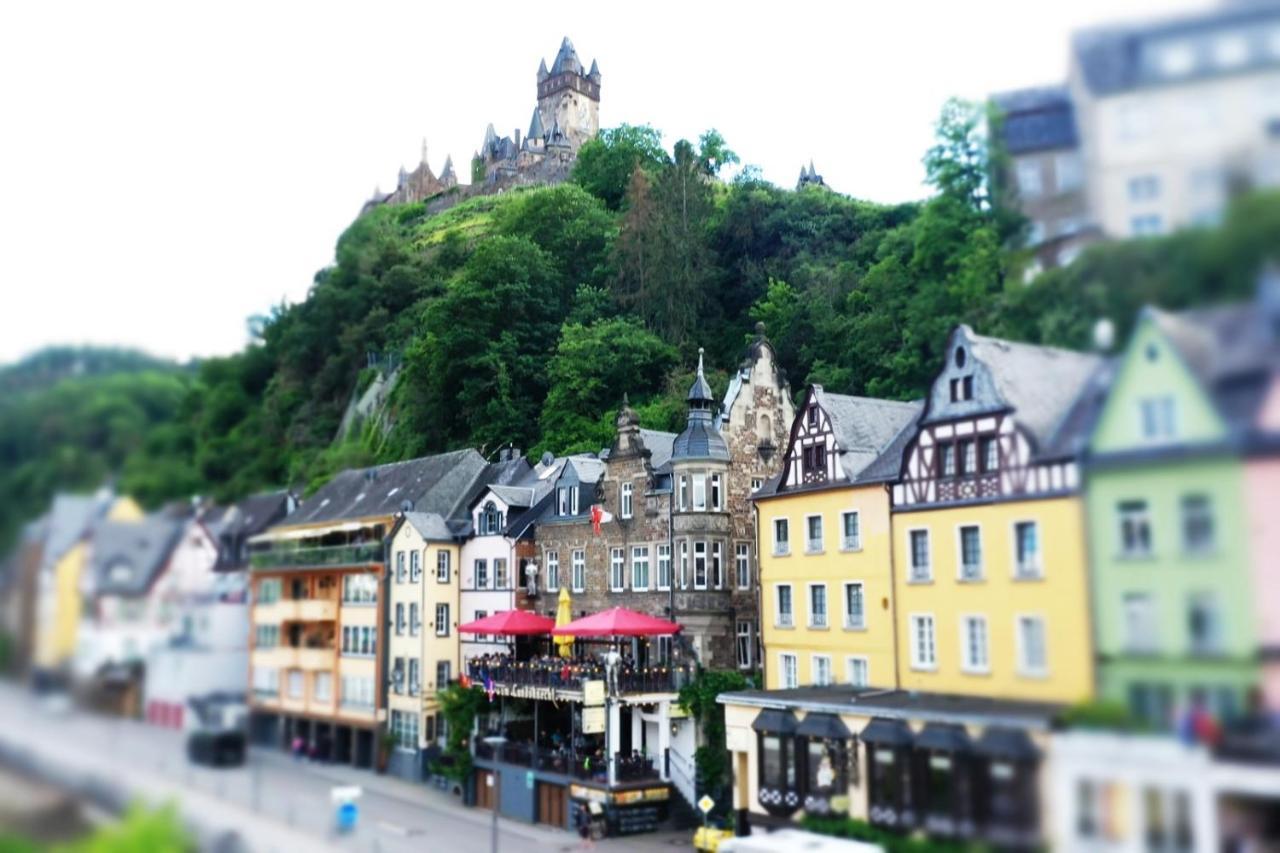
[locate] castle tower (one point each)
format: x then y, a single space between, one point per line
569 96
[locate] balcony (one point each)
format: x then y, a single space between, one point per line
566 762
316 610
315 658
285 556
569 675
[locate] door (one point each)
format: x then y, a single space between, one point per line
553 805
484 789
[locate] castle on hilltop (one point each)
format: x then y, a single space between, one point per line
567 114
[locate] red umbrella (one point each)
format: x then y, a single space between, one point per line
512 623
617 622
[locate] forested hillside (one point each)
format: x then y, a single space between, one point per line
524 317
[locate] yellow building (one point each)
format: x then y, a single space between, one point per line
988 528
59 598
826 552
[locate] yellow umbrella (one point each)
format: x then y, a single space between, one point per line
564 615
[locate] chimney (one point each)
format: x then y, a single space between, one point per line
517 138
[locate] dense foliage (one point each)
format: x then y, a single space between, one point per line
524 317
711 759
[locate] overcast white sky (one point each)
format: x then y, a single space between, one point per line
169 169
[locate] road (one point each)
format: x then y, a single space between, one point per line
273 803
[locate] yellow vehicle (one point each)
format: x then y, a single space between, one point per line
708 838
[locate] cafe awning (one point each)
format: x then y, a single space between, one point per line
826 726
1006 743
775 721
886 732
943 737
510 623
617 622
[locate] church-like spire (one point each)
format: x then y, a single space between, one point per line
700 438
700 392
535 125
543 73
594 73
424 151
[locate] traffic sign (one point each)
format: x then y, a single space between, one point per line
706 804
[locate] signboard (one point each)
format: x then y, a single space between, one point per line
582 792
738 739
528 779
593 721
642 795
593 693
706 804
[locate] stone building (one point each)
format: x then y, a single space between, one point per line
676 531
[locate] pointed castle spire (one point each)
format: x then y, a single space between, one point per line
424 151
700 392
535 125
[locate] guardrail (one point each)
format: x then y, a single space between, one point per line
326 555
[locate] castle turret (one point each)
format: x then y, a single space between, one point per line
402 178
701 439
535 126
570 96
594 74
448 177
543 73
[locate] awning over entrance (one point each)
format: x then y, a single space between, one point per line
617 622
826 726
510 623
1006 743
775 721
886 732
943 737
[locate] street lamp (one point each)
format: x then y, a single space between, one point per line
497 742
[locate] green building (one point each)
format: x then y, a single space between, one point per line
1174 618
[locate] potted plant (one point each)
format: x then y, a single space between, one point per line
386 743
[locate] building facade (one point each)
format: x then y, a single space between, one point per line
826 567
988 527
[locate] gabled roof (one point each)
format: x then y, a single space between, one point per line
430 525
535 125
659 445
518 497
1039 119
865 426
70 518
126 556
438 484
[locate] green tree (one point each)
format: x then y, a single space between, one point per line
605 164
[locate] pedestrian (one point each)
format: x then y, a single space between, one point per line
584 829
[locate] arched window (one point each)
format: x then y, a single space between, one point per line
765 428
491 520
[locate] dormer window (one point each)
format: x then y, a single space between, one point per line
562 501
573 500
812 416
490 520
961 357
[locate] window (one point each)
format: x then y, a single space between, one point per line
442 620
1135 529
269 591
443 674
814 459
322 687
684 492
854 609
490 520
357 691
573 500
777 762
821 666
990 454
1144 188
664 567
783 616
400 572
442 566
920 568
553 571
781 545
818 605
1026 548
562 501
359 589
296 684
948 460
1032 657
500 578
1204 624
813 534
790 678
1197 524
404 730
482 574
640 568
850 531
923 650
967 457
717 492
579 569
625 499
858 671
699 491
684 565
400 623
266 681
415 620
699 565
756 484
970 552
717 564
266 636
742 564
664 650
1140 629
617 567
1029 182
358 640
973 644
480 614
1067 169
1169 824
1146 225
397 676
1158 415
966 387
745 643
811 416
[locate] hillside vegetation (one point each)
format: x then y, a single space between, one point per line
523 317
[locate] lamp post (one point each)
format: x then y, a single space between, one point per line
497 742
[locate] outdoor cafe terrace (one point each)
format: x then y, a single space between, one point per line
554 675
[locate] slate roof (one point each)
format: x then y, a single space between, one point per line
515 496
902 704
566 59
245 519
126 556
1120 58
535 125
433 484
430 525
70 518
1039 119
888 465
701 438
659 445
865 426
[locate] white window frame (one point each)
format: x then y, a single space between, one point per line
638 560
617 569
1022 668
415 566
717 578
1149 640
813 619
911 555
917 661
442 625
552 560
738 636
573 500
683 502
849 661
706 556
1187 548
578 570
684 564
783 547
326 678
1161 413
716 497
664 559
1034 571
811 545
961 575
699 492
479 575
814 661
625 499
845 543
967 664
444 561
788 677
742 564
1121 516
849 624
781 620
